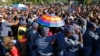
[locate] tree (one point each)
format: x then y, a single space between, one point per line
5 2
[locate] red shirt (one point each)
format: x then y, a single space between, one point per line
14 51
50 33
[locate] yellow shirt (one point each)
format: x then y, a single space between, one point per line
21 37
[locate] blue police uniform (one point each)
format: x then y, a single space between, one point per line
89 40
66 46
32 36
44 44
97 43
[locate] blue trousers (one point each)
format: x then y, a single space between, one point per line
31 51
97 50
67 53
87 50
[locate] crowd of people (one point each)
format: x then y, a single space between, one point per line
22 35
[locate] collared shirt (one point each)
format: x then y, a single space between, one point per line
89 38
62 41
98 32
32 36
44 44
68 43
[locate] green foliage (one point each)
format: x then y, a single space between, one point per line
87 1
33 1
7 2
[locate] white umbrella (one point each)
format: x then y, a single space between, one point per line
19 7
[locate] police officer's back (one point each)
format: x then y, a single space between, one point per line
89 39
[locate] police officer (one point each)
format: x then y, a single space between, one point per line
32 36
97 43
66 42
89 39
45 43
